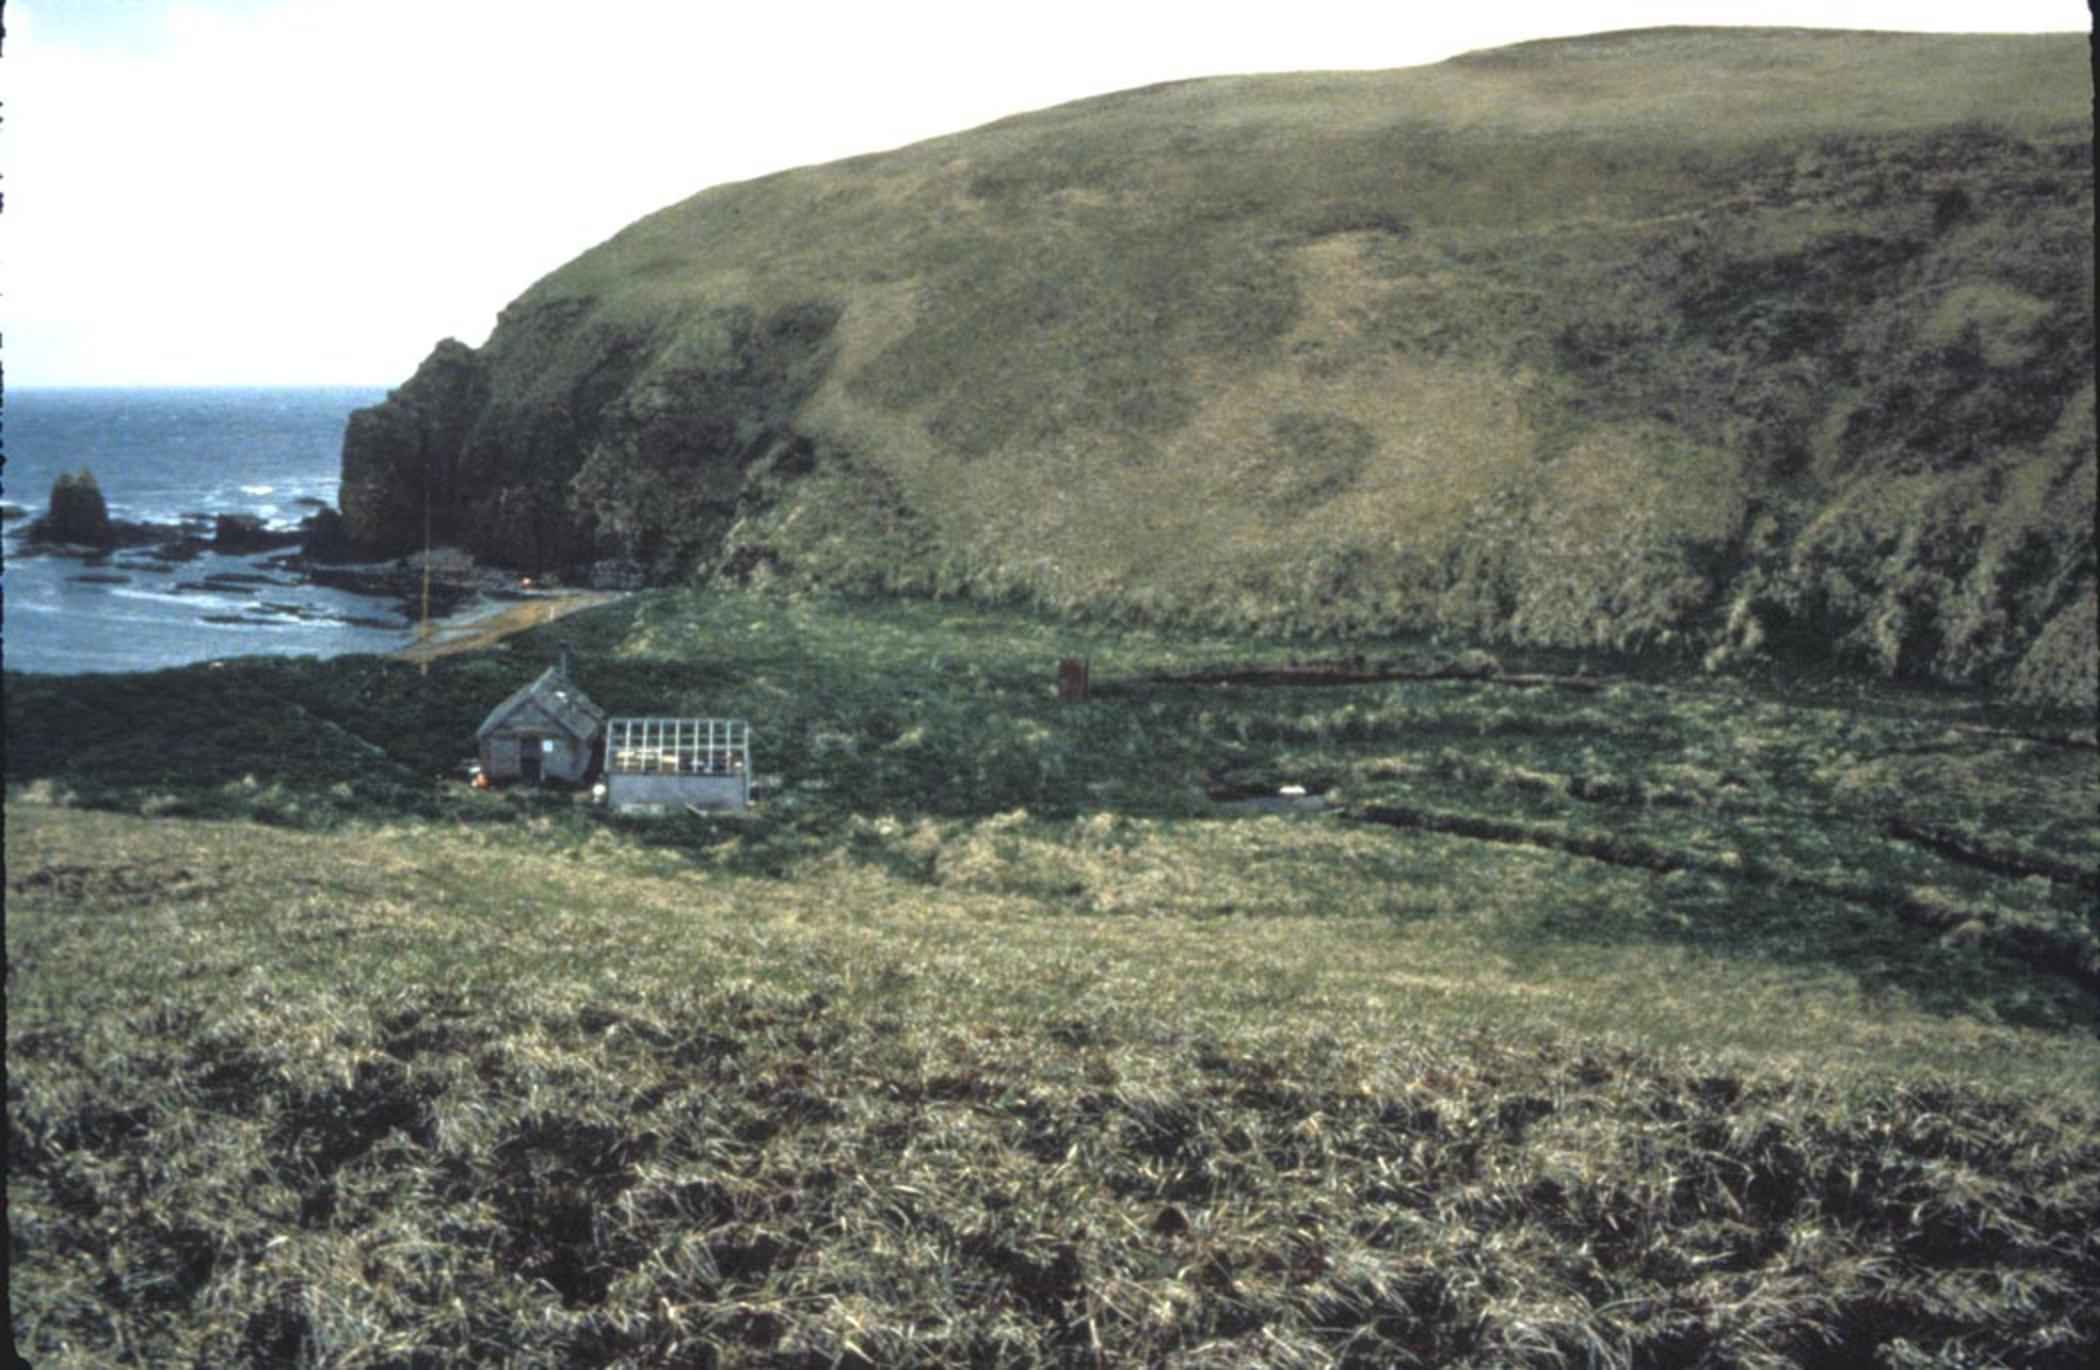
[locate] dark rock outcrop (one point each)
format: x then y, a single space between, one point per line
77 513
78 523
239 534
569 441
323 536
401 457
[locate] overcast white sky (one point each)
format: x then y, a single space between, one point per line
257 192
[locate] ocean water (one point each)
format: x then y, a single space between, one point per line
160 455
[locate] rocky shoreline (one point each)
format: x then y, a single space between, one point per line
456 580
127 551
185 539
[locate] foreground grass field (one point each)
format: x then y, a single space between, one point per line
1638 1025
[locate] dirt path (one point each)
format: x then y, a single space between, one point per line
473 633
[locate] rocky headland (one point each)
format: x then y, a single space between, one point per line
1733 345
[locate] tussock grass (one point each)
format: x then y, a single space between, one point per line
924 740
989 1038
459 1101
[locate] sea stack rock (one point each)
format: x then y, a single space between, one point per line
78 513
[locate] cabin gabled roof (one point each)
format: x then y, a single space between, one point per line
556 697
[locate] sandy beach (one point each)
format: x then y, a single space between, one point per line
489 622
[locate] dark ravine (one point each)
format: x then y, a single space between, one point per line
2047 949
1733 369
1957 846
1319 676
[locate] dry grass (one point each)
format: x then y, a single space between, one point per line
990 1039
447 1101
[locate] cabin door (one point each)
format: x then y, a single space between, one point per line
529 753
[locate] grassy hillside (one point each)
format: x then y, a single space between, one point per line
939 716
1623 1026
1728 343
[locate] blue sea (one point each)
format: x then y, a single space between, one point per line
159 456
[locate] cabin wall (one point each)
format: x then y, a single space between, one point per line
568 760
499 756
627 791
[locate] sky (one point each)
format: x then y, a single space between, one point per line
313 192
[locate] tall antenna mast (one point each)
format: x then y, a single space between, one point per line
423 632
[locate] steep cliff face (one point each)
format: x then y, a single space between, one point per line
1717 342
401 458
599 442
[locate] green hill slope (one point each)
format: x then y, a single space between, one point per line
1723 341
